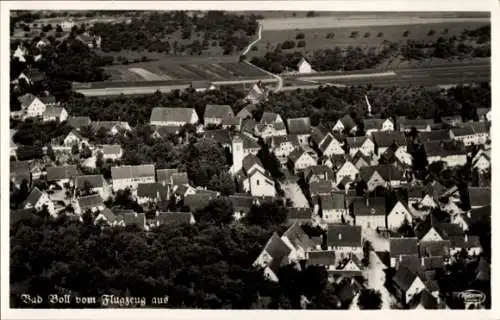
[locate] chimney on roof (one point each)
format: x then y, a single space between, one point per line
466 238
422 261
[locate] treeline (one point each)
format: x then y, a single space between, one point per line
150 32
206 265
328 104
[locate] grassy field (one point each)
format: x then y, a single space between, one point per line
372 36
197 68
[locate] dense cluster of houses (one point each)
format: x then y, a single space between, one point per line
330 164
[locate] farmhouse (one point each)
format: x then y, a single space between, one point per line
173 116
300 127
20 171
344 239
299 215
94 183
304 67
406 125
345 124
400 247
435 135
55 114
111 127
270 118
111 152
369 212
363 144
32 105
62 175
317 173
273 256
130 176
407 284
330 146
150 192
255 179
75 138
333 207
453 153
371 125
482 161
386 139
298 242
39 200
281 146
214 114
398 215
91 202
266 131
174 218
347 170
381 175
472 133
299 160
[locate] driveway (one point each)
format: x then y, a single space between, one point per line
294 193
375 277
379 242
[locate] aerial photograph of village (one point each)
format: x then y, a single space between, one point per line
250 160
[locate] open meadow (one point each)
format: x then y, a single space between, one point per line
185 68
357 35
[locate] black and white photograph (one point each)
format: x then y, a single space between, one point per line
247 159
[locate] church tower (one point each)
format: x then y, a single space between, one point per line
238 154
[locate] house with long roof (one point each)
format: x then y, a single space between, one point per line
173 116
344 239
301 127
385 139
130 176
39 200
345 124
453 153
369 213
471 133
95 183
400 247
274 255
375 124
215 114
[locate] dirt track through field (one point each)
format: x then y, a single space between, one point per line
346 22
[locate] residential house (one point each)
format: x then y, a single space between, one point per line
471 133
434 135
266 131
111 127
398 215
165 132
469 243
319 188
174 218
55 114
453 153
202 85
400 247
425 301
232 122
91 202
242 204
112 152
381 176
330 146
369 213
79 122
281 146
257 94
270 118
19 53
39 200
407 284
32 105
452 121
304 67
49 101
333 208
255 179
246 112
346 170
130 176
299 215
405 125
360 160
221 136
299 160
273 256
163 176
106 217
321 258
92 183
300 127
151 192
363 144
62 175
135 219
318 172
298 242
344 239
198 201
214 114
173 116
385 139
345 124
75 138
372 125
482 161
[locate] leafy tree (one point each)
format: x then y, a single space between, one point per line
380 35
288 44
218 211
325 300
367 247
301 44
431 32
406 33
223 182
300 36
267 214
270 162
369 299
367 34
354 34
406 230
